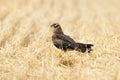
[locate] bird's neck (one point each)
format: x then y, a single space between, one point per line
58 31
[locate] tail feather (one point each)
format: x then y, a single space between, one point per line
81 47
89 45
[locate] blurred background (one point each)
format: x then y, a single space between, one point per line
26 49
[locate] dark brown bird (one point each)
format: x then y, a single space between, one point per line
64 42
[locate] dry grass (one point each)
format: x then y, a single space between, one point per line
26 50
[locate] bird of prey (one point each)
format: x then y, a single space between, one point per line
64 42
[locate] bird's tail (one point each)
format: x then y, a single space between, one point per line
81 47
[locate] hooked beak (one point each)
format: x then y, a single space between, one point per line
51 25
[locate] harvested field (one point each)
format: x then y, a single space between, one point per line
26 49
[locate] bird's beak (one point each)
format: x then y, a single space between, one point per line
51 25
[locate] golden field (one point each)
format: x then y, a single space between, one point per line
26 49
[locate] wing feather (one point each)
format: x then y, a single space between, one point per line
63 41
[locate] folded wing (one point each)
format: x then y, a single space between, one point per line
63 42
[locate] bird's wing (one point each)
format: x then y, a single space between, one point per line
65 38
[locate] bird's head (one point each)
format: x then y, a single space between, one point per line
56 28
55 25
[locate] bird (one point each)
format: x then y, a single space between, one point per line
65 42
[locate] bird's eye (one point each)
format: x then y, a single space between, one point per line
56 25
